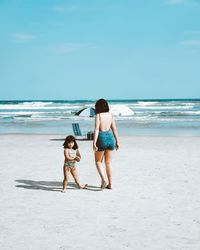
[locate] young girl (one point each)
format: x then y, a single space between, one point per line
72 155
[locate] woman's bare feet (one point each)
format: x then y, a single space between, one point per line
63 191
103 184
109 186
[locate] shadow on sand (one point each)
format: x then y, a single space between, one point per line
63 139
55 186
58 139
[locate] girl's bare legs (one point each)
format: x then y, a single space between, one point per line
108 158
66 172
98 160
75 176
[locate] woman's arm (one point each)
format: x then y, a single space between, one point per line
67 157
114 130
96 131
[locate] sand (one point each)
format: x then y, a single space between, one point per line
154 204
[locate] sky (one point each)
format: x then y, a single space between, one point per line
88 49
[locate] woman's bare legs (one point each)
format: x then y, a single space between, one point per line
98 160
108 158
75 176
66 172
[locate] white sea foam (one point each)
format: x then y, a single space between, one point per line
166 107
39 105
146 103
32 104
24 107
57 114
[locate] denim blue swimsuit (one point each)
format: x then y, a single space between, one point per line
105 140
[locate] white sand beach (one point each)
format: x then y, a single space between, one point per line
154 204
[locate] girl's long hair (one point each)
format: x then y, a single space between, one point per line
68 139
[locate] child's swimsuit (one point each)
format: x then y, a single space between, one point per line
105 140
72 153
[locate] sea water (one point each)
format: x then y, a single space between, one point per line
151 117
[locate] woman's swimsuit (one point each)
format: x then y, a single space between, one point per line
105 140
71 164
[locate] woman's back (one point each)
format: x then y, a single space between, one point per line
105 120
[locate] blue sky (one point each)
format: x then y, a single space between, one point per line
116 49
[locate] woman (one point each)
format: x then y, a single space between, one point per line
105 140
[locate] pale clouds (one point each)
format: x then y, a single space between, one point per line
193 32
193 38
66 8
194 42
175 2
65 48
21 37
75 8
180 2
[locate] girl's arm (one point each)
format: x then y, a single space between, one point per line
114 130
66 154
78 156
96 131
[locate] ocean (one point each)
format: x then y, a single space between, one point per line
151 117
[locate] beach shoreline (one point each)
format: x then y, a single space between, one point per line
63 135
154 204
157 117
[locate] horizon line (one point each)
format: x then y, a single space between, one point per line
92 100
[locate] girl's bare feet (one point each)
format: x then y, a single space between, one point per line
63 191
83 186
